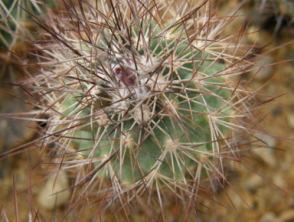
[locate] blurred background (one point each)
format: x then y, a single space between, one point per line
261 186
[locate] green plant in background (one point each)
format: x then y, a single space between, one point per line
15 22
142 92
272 15
17 31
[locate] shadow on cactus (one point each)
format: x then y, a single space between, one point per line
142 92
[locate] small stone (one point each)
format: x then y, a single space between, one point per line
269 217
240 200
270 141
265 154
254 182
291 201
263 68
237 200
264 149
56 192
290 118
279 181
254 35
287 216
277 111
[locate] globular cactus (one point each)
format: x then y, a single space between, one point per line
145 93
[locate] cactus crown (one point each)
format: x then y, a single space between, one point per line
143 91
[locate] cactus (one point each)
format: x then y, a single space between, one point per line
142 92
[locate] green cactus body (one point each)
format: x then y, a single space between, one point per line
141 99
188 125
